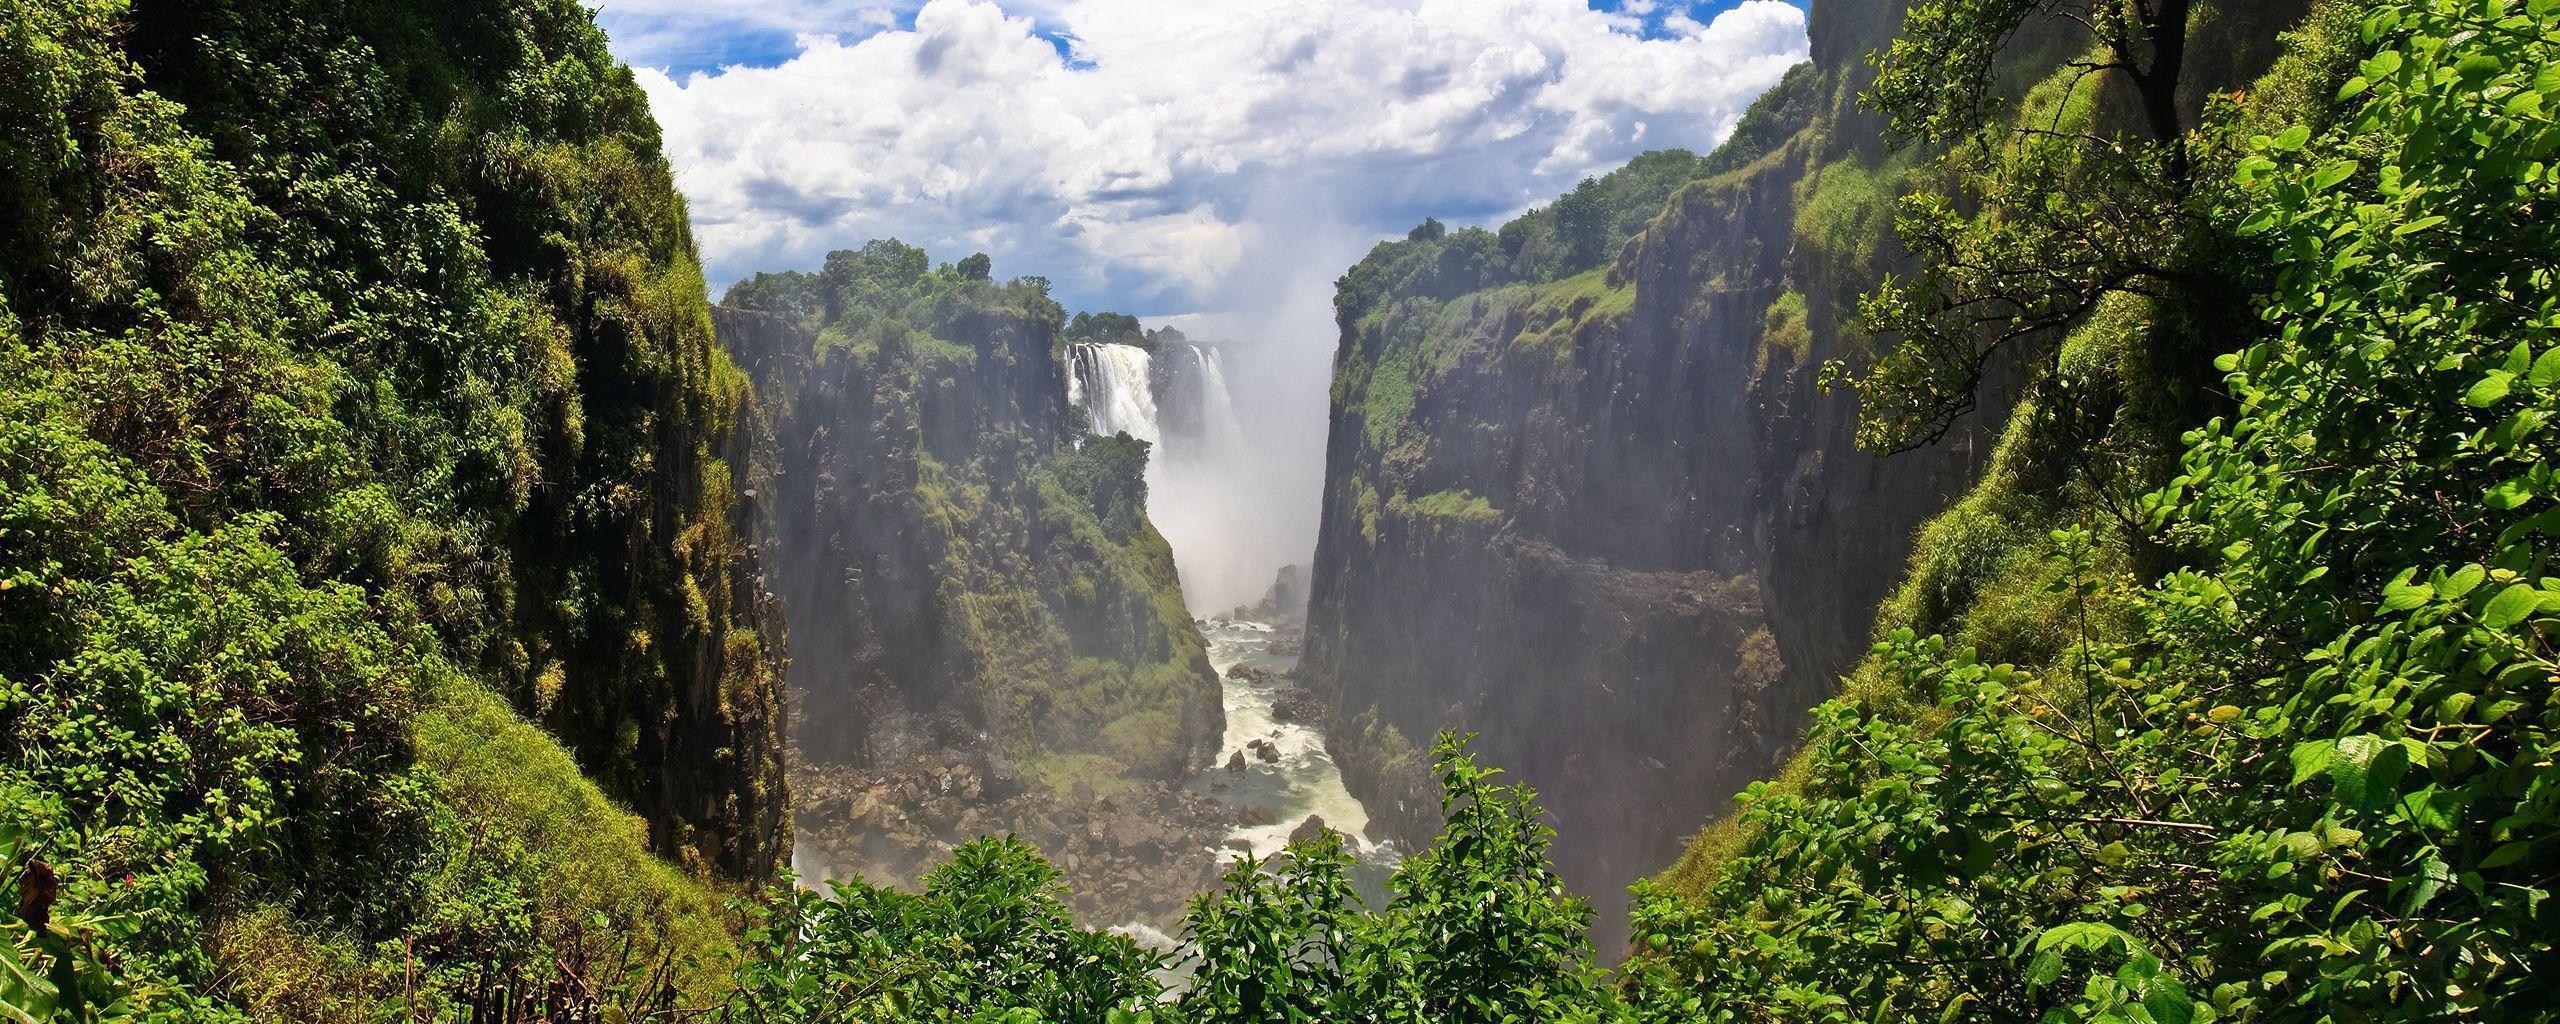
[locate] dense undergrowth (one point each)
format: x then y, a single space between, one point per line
359 412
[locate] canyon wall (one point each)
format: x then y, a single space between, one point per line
980 606
1607 517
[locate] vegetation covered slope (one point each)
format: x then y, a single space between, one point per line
365 529
2304 773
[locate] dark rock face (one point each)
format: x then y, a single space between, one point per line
1611 523
944 594
1620 534
948 598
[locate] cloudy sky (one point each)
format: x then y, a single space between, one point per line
1214 164
1142 154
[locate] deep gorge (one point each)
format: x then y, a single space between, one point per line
2050 519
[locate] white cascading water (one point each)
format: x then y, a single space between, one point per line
1113 384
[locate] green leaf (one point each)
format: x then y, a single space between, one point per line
2329 176
2489 390
2415 226
2089 935
2505 855
2510 606
2366 771
2169 1003
2511 495
2546 370
2312 758
2291 138
2402 594
2046 968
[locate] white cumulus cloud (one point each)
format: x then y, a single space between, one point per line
1209 163
1130 170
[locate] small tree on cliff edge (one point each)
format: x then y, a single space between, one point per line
2087 201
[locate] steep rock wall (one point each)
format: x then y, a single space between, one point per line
950 587
1619 532
1613 523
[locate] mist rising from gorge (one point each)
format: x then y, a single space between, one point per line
1235 522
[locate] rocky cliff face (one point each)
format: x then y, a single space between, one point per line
1610 521
1615 528
973 588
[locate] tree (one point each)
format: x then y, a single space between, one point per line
2084 204
976 267
1105 327
1937 82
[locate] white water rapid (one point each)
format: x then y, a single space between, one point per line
1303 782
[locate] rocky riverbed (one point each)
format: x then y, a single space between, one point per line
1133 856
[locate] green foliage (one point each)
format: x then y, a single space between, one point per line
1787 108
2308 779
988 940
352 354
2046 212
1109 474
1939 79
1477 930
1583 228
1105 327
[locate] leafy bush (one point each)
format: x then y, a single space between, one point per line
1478 929
2310 782
352 352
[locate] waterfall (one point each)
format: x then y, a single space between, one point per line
1115 386
1196 414
1176 397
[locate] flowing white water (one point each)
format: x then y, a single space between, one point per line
1304 782
1115 386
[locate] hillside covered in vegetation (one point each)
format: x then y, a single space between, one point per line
375 620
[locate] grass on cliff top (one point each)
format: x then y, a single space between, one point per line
1426 339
